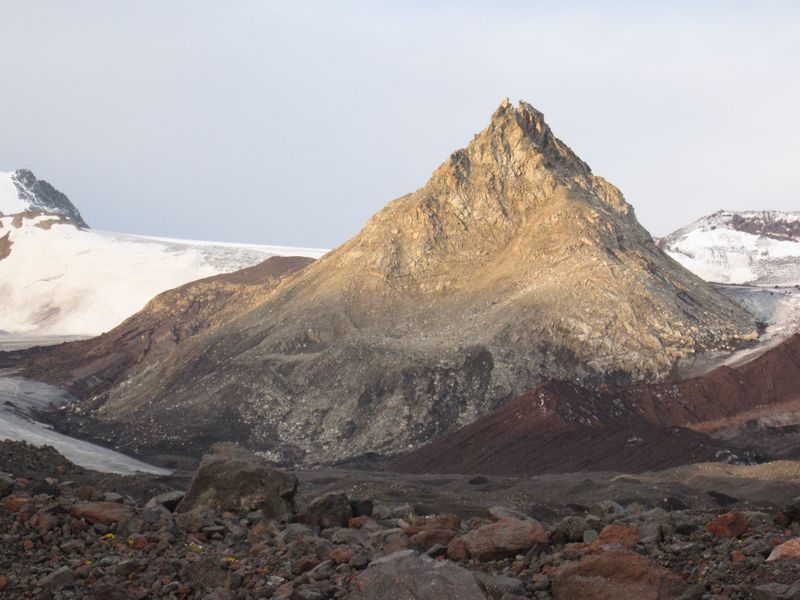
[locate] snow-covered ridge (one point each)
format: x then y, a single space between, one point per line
21 192
58 279
752 247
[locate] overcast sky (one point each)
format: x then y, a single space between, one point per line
292 122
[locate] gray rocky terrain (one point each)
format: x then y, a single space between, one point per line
240 529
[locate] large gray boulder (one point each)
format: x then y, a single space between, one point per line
231 478
407 575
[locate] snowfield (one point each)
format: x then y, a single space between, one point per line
59 280
756 247
10 202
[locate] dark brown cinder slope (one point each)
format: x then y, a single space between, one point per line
561 427
512 264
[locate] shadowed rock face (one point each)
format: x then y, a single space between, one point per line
513 263
561 427
43 197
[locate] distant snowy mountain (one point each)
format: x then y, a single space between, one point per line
58 278
756 248
20 191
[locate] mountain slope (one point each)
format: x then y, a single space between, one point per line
156 334
562 427
58 279
513 263
756 248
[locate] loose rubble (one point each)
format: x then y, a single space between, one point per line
61 539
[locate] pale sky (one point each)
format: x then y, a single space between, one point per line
292 122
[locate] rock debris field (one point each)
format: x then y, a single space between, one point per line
243 529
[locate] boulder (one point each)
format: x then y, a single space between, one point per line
330 510
615 575
104 513
169 500
407 575
732 525
507 537
569 529
618 534
7 484
233 479
790 549
789 513
426 532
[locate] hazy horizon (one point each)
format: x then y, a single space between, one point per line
291 125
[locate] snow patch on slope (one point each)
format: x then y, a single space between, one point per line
754 247
61 280
10 202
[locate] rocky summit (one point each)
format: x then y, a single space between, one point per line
512 264
21 191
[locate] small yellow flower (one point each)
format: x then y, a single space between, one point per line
110 537
231 560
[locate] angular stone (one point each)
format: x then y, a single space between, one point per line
58 579
426 532
569 529
104 513
732 525
14 503
618 534
606 508
7 484
506 537
407 575
776 591
615 575
231 478
500 512
169 500
790 549
341 555
330 510
499 586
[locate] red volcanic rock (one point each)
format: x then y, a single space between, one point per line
426 532
14 503
618 534
790 549
340 554
615 575
359 522
105 513
506 537
732 524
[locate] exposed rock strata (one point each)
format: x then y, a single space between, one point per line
40 196
562 427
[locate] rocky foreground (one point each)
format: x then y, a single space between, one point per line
241 530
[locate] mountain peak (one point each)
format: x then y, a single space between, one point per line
530 120
21 191
515 187
511 265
